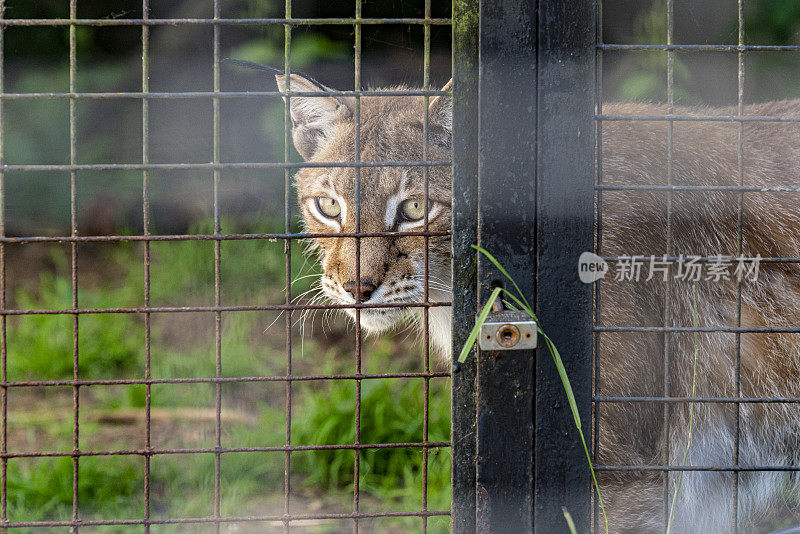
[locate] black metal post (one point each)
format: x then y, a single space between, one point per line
565 226
465 233
529 65
506 208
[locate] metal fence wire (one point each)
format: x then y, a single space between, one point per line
544 240
291 514
679 191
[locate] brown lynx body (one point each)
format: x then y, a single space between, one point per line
704 223
633 223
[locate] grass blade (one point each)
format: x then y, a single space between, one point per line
522 305
696 324
570 522
502 270
562 373
522 302
473 335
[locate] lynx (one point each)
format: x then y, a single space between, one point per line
633 222
392 200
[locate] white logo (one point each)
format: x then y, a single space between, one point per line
591 267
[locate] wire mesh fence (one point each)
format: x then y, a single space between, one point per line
690 209
160 502
163 371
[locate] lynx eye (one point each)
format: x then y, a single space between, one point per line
412 209
329 207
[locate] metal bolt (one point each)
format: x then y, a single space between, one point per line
507 335
508 330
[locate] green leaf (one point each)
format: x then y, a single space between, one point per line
502 270
562 373
473 335
570 522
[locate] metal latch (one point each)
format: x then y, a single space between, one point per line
508 330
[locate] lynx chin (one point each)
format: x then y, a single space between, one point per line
707 222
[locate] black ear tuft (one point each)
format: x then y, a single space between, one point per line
251 65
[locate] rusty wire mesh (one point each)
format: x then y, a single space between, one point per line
672 116
216 166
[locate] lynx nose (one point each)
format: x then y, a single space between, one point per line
367 287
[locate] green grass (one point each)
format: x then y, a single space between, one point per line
41 346
391 412
41 489
695 324
112 346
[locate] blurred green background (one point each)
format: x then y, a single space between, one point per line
109 130
701 77
252 272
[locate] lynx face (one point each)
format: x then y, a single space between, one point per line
392 199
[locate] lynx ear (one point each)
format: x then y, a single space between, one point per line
440 109
313 117
440 118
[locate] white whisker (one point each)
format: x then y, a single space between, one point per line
306 276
